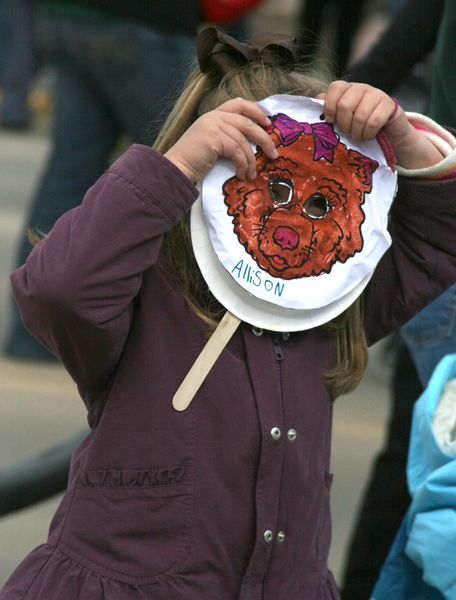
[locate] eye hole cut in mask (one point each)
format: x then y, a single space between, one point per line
281 191
303 212
317 206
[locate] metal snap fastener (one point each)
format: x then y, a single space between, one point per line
292 433
257 331
281 536
276 433
286 336
268 536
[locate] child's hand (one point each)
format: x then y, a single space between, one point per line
226 131
361 111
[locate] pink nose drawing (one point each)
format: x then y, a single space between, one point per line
286 238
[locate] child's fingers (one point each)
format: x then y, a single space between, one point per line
335 90
232 150
347 107
364 114
238 149
248 109
253 132
377 119
358 110
251 121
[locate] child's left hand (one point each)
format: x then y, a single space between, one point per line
361 111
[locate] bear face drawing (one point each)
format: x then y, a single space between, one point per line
303 212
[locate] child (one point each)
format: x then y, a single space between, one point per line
228 499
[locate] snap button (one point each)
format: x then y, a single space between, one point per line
281 536
268 536
292 433
276 433
257 331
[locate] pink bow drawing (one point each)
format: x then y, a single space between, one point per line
326 139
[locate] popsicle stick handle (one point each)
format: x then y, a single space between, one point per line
205 361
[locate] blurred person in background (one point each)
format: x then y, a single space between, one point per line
403 46
311 25
3 33
417 29
117 67
18 61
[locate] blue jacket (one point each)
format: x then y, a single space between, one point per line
422 561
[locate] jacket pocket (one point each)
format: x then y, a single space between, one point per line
131 524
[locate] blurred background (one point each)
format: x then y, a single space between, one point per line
39 405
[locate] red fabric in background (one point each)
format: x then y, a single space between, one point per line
226 11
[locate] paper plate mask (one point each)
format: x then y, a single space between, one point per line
295 247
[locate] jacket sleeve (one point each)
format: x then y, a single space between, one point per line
76 290
421 262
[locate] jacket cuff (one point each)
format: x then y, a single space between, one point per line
443 140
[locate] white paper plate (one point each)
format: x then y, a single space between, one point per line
247 307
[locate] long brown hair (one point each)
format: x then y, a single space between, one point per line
204 92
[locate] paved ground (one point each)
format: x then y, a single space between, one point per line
39 404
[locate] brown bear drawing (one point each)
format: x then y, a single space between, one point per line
303 212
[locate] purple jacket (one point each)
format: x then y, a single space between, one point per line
228 500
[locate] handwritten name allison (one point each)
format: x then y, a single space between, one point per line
256 278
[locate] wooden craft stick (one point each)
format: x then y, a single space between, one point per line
205 361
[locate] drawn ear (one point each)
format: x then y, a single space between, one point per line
233 197
234 189
363 168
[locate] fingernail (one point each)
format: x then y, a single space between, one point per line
274 153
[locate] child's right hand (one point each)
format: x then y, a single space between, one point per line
227 131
